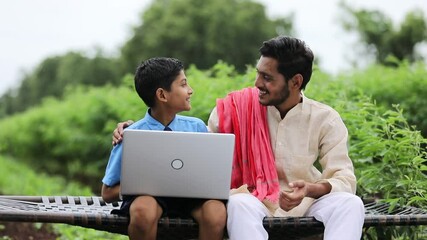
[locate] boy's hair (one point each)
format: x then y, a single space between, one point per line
156 73
293 56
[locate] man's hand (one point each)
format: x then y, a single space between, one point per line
291 198
118 132
301 189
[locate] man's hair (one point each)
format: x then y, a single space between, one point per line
156 73
293 56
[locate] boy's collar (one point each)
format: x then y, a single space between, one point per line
154 123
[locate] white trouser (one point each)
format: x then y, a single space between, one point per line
342 214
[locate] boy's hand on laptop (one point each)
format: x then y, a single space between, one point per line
118 132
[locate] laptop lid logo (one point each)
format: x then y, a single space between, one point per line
177 164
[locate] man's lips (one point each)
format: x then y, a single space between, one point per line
262 92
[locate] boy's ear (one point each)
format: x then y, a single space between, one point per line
161 95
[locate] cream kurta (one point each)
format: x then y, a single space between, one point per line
309 132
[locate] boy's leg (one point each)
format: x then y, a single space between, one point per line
211 216
245 217
342 214
144 213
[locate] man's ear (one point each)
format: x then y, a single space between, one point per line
296 81
161 95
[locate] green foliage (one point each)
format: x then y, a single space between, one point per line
212 84
17 178
387 145
381 38
187 29
381 140
389 155
70 137
51 77
405 85
67 232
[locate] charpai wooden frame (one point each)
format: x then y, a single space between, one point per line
93 212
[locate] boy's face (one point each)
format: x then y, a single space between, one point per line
180 93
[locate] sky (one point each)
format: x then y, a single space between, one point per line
31 31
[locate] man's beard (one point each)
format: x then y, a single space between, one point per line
277 101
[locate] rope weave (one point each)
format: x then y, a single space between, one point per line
93 212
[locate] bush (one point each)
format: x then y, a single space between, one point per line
381 141
405 85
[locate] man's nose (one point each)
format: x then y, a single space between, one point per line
257 81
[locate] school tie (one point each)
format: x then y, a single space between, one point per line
167 129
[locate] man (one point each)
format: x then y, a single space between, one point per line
280 134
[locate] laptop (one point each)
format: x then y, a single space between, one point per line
176 164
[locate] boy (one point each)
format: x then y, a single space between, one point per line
162 85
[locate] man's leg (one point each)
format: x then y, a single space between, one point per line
245 216
342 214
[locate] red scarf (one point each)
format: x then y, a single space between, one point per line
242 114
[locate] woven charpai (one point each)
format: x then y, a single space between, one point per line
93 212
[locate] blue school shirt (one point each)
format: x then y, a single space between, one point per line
179 123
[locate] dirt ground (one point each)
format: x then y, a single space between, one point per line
25 231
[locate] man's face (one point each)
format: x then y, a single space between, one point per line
180 93
272 86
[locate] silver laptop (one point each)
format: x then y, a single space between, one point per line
176 164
